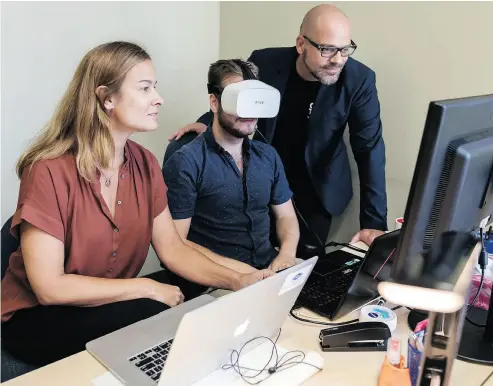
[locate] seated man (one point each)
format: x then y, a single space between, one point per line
222 183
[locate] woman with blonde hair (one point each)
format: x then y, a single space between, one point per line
91 202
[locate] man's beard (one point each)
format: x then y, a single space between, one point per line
318 74
229 126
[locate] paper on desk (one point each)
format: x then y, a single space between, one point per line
107 379
256 359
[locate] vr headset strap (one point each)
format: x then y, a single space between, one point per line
245 70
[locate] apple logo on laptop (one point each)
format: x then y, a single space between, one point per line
297 276
241 328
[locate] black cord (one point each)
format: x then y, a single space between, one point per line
474 323
418 312
279 365
322 323
478 292
483 261
320 244
474 301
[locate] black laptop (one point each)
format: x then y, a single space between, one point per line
342 282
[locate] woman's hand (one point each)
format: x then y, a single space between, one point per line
164 293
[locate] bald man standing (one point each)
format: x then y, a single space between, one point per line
324 90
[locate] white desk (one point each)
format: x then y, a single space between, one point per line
340 369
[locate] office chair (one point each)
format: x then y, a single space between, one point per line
11 366
9 245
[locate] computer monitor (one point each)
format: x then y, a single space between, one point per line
451 190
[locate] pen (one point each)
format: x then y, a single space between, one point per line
420 340
412 339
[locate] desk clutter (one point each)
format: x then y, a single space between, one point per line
394 371
255 366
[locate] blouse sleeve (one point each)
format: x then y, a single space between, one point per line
159 188
38 202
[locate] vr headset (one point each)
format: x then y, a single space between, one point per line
249 98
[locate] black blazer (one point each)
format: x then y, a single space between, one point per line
353 100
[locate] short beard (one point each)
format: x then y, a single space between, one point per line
228 126
316 74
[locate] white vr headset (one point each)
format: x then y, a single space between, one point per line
249 98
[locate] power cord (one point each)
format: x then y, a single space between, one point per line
483 262
296 314
314 321
320 244
281 364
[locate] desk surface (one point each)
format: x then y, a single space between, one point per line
340 369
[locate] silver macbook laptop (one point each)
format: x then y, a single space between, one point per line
185 343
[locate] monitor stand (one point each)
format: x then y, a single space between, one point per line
476 344
416 316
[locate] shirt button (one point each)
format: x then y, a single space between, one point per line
113 254
110 269
121 175
119 202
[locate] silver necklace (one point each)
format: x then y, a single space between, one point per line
107 180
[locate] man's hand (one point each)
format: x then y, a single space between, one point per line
282 261
367 236
250 278
199 128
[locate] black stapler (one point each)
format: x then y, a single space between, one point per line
365 336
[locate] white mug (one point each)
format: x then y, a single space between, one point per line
398 223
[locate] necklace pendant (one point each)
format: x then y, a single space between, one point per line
107 183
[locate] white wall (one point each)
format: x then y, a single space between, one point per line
420 51
42 43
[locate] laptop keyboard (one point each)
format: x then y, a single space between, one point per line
151 361
322 291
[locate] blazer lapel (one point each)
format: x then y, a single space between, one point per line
316 127
278 77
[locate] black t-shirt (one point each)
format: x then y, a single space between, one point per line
290 138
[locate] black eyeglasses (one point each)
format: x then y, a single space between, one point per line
330 51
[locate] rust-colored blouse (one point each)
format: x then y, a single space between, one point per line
56 199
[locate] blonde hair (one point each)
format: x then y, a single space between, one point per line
80 125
